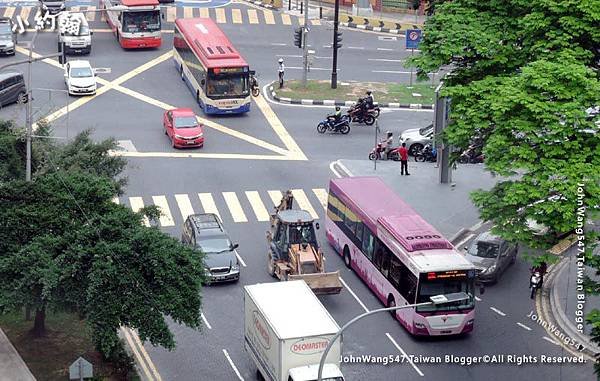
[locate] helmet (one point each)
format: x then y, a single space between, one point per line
337 108
280 60
389 133
368 92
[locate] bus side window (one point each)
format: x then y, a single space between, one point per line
385 261
359 232
394 276
368 243
408 284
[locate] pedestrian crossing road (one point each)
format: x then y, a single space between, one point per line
226 15
239 207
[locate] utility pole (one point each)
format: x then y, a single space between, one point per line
28 105
336 15
305 45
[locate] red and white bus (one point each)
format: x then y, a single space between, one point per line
402 258
135 23
211 67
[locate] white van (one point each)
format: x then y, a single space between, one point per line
74 31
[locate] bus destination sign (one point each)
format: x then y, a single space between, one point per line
229 70
452 274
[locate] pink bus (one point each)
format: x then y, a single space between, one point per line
402 258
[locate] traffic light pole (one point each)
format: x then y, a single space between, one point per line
305 45
336 16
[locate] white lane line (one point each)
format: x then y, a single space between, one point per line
278 43
476 226
311 68
523 326
497 311
336 173
404 354
205 321
241 260
136 353
478 299
327 46
384 60
235 369
461 243
289 55
354 295
395 72
550 340
386 49
356 47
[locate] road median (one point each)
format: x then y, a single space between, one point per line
388 95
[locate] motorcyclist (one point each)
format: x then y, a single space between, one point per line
387 144
540 268
333 119
369 100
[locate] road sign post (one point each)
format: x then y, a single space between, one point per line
413 39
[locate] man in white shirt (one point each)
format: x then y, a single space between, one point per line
281 72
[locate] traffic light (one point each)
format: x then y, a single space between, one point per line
338 39
298 37
62 59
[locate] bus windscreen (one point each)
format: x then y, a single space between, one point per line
227 85
141 21
442 283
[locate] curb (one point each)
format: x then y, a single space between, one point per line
327 102
557 321
371 28
262 5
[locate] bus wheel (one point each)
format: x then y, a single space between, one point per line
181 71
347 259
391 303
198 96
259 375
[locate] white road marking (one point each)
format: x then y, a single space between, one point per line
311 68
235 369
278 44
303 203
354 295
550 340
276 196
476 226
356 47
461 243
235 208
386 49
395 72
166 219
115 200
321 195
497 311
208 204
478 299
384 60
205 321
184 204
240 260
257 206
137 203
523 326
288 55
404 354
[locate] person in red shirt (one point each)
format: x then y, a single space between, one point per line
403 152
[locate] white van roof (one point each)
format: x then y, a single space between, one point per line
292 309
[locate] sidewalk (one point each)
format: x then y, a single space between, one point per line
12 367
448 208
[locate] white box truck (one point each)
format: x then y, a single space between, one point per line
286 330
74 31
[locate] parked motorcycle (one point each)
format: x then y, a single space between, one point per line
254 84
342 126
535 282
428 153
471 157
378 153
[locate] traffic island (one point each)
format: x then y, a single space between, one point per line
388 95
66 338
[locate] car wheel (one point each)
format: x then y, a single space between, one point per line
391 303
22 97
347 259
413 149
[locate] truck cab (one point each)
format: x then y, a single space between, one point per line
75 32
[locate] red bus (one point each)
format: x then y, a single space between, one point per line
135 23
211 67
402 258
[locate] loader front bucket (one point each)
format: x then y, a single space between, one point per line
321 283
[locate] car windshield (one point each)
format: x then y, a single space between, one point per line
141 21
185 122
81 72
227 85
426 130
215 245
5 28
483 249
428 288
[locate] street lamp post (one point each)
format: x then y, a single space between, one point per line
434 300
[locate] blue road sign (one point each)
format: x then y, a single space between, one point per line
413 38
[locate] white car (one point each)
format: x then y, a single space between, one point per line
80 78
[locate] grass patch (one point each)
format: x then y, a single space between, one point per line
67 338
351 91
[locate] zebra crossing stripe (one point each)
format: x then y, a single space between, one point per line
137 203
236 16
303 203
171 14
185 205
286 19
235 208
257 206
166 219
276 197
204 13
10 11
269 18
25 12
221 19
90 16
208 204
187 12
316 22
252 16
321 195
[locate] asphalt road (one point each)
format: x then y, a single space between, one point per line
136 119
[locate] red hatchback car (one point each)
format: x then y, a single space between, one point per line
183 128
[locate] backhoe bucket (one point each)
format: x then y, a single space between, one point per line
321 283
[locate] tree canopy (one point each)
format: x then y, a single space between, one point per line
67 246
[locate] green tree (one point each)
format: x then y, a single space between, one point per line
67 246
